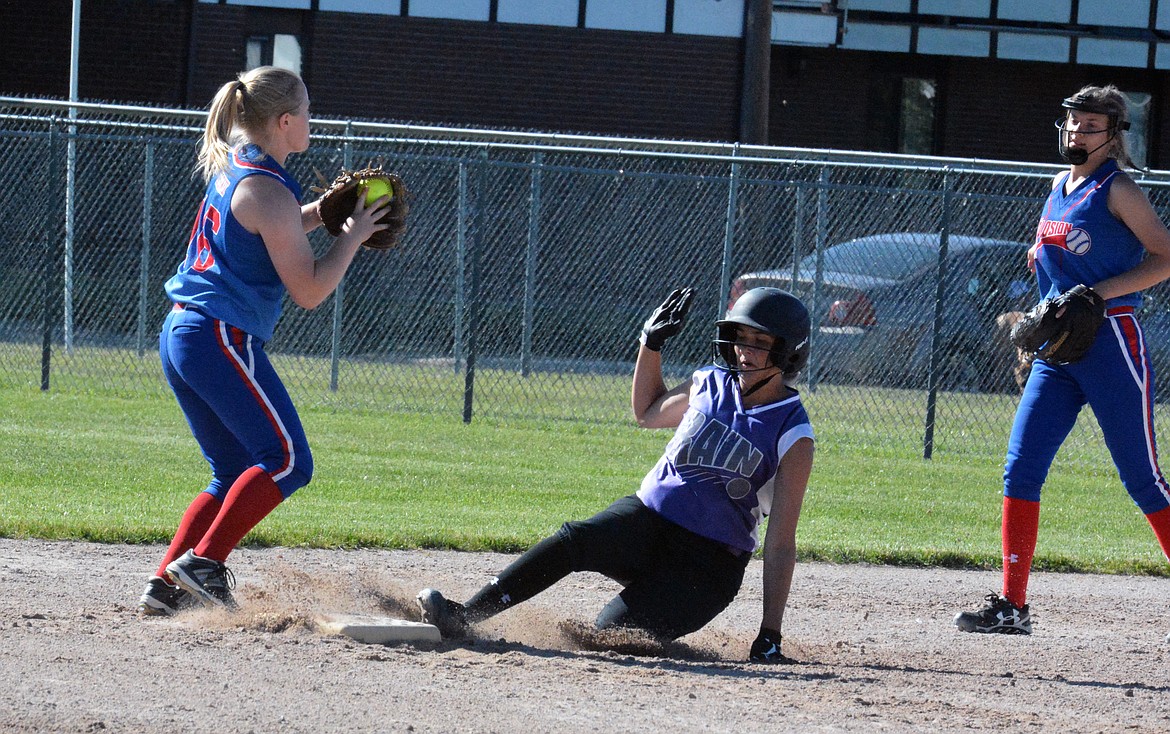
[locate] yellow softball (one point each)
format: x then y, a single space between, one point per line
376 188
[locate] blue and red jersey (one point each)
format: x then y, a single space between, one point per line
717 475
228 273
1079 240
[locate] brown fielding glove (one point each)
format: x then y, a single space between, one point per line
1060 330
340 199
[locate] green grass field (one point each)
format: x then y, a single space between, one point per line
87 465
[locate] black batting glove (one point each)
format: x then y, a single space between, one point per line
667 320
766 648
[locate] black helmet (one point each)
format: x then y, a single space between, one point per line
1108 101
777 313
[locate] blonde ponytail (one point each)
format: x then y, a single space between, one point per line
222 119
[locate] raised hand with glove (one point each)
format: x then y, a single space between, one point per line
667 320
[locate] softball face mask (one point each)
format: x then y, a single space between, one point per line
1080 103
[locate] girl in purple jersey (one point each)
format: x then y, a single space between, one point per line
1097 229
247 248
679 547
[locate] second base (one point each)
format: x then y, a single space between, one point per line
377 630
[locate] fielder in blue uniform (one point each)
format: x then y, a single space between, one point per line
743 450
247 248
1097 229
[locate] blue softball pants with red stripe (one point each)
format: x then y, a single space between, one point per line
235 403
1116 380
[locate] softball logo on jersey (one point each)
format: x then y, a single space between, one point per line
709 444
1063 235
1078 241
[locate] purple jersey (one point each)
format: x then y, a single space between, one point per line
228 273
717 474
1079 240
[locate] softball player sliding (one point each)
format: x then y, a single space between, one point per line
743 449
248 246
1098 229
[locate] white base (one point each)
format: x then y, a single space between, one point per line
377 630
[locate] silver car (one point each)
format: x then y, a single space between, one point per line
873 302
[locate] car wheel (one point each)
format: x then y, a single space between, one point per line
959 372
964 370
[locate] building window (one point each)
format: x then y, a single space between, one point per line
1138 136
279 49
916 129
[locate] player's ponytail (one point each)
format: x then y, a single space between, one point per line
221 121
241 110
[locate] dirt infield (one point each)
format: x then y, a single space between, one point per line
877 650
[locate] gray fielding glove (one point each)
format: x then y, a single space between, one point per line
667 320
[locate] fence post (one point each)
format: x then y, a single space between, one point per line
530 265
70 229
797 234
936 345
475 240
144 260
729 222
51 233
338 306
822 239
460 266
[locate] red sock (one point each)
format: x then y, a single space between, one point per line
198 517
249 501
1021 525
1160 522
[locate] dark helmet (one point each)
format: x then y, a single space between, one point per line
1108 101
776 313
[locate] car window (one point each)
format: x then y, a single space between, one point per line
893 259
982 280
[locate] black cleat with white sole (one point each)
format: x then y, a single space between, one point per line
1000 616
449 616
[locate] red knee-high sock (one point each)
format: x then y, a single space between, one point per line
196 520
249 501
1021 525
1160 522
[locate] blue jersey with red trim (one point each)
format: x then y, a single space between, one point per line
717 475
228 273
1079 240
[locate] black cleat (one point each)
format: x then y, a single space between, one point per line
162 599
208 581
999 616
450 617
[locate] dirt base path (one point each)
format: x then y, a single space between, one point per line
877 648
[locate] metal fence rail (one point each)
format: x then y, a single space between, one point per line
529 264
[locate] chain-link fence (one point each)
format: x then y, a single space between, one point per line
531 261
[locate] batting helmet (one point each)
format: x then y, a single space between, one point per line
777 313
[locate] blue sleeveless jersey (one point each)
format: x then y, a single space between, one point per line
227 273
717 475
1080 241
